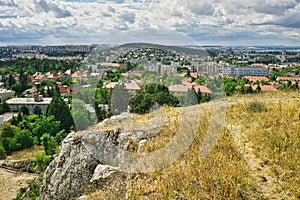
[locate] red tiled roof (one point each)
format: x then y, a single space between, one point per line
202 88
256 78
265 88
259 65
194 75
64 90
178 88
286 78
110 85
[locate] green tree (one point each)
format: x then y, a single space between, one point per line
80 115
2 151
119 100
60 110
8 138
11 80
45 125
152 94
258 89
49 143
17 88
4 108
24 110
25 139
37 110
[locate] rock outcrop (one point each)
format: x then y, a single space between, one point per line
87 157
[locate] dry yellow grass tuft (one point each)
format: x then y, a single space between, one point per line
26 154
257 156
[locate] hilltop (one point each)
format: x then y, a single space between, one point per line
177 49
256 155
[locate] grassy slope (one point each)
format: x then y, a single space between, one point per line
257 156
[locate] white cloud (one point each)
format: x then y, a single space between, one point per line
86 21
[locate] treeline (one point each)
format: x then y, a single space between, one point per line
38 65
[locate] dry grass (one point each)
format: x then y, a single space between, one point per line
225 173
26 154
275 138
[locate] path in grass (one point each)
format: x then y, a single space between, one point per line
269 185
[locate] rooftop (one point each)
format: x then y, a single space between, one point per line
22 101
256 78
178 88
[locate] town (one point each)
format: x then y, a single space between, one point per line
48 92
179 69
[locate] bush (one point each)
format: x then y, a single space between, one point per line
42 160
256 107
49 143
33 191
2 152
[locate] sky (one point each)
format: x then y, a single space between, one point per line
176 22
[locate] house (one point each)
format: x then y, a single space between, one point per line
39 78
178 88
131 86
16 103
264 88
6 117
194 75
5 94
65 90
201 88
32 90
284 79
256 78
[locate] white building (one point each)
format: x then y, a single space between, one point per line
234 70
5 94
16 103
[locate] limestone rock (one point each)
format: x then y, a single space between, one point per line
87 157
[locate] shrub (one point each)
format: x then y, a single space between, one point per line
256 107
2 152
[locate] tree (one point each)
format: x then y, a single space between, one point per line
258 89
8 139
152 94
11 80
49 143
45 125
2 151
24 110
17 88
37 110
4 108
119 100
80 115
25 139
61 112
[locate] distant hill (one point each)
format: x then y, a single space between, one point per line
177 49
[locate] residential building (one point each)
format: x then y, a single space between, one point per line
6 117
233 70
16 103
178 88
207 67
256 78
5 94
284 79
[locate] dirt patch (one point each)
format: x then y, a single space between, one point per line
11 182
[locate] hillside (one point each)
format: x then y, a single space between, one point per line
256 156
178 49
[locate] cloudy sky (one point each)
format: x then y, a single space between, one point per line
194 22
